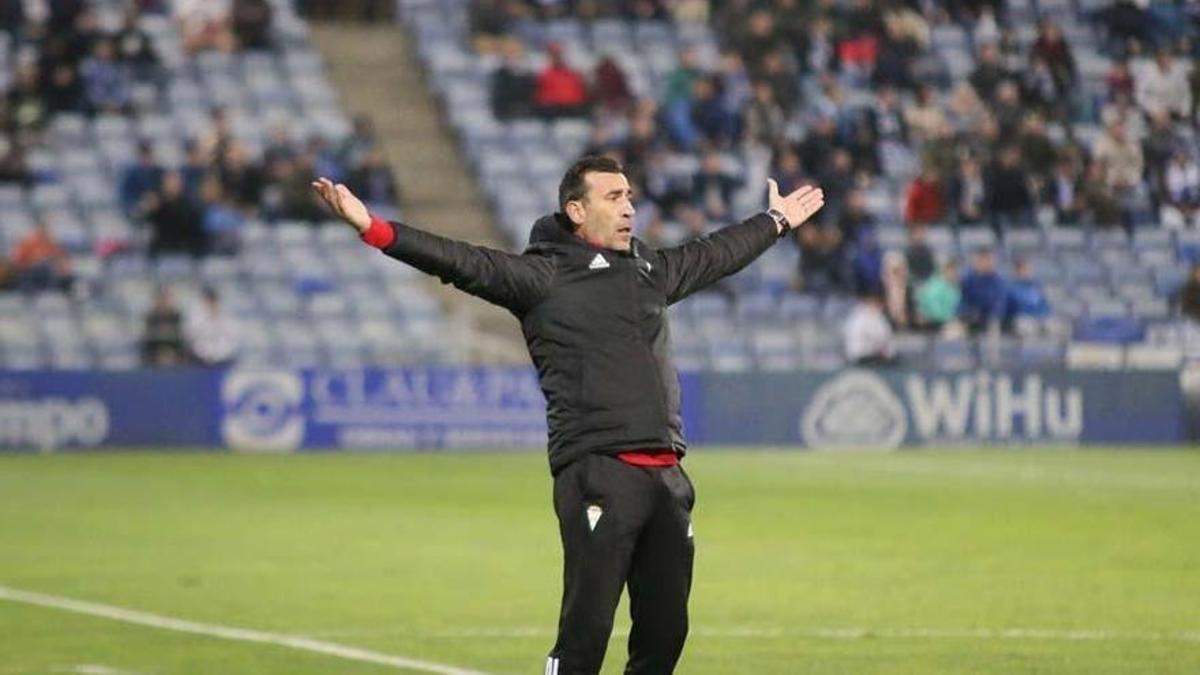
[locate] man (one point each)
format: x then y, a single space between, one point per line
210 331
868 336
983 292
592 303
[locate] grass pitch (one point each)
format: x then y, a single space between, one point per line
922 562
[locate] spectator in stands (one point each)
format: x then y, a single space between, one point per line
765 121
968 194
13 167
989 72
362 139
195 168
1122 163
966 109
560 90
216 139
39 263
279 144
212 334
512 85
1064 192
1026 298
905 36
926 115
939 299
837 180
984 293
868 336
1121 110
1100 203
680 80
923 202
612 88
64 92
489 22
134 47
1188 298
1038 154
855 218
822 259
818 145
787 170
223 222
205 25
1008 199
252 23
713 187
142 177
866 262
25 110
241 179
1181 186
287 194
176 220
886 119
897 299
373 181
734 85
106 80
1158 146
1007 108
1119 79
1164 86
941 153
163 343
711 119
758 38
1051 48
922 262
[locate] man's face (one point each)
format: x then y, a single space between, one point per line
605 214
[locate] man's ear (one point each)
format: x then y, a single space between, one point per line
575 213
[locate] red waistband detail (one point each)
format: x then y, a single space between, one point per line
656 457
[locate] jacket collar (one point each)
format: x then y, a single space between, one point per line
555 230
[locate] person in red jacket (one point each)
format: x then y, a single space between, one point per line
923 202
560 91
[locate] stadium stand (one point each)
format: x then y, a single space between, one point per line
1044 131
171 144
903 114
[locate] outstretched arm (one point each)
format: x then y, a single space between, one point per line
515 282
694 265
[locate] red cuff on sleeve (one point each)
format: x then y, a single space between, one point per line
380 233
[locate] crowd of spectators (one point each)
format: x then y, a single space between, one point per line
204 335
66 62
849 96
202 206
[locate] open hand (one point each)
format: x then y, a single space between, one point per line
797 207
343 203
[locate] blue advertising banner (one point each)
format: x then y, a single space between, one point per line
436 408
890 408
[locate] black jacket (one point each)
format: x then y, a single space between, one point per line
595 321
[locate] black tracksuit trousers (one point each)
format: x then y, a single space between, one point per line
623 524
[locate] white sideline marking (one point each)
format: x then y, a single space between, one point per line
297 642
847 633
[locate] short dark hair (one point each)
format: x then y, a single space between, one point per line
572 187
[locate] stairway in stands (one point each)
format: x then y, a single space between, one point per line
374 71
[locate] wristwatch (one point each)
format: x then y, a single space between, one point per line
780 220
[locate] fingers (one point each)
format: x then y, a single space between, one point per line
772 190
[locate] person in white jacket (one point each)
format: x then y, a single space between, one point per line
1163 85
